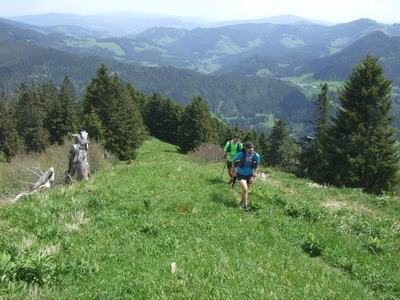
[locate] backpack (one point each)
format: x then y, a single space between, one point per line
243 160
238 145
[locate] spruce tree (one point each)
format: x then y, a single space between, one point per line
252 135
315 149
196 127
163 118
222 132
53 120
111 115
364 146
70 112
263 141
30 119
283 151
10 143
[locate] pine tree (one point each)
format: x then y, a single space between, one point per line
364 146
196 127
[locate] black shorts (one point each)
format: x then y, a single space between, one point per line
244 177
229 164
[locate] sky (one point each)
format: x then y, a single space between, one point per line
335 11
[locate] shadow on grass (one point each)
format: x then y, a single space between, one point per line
217 180
227 198
172 151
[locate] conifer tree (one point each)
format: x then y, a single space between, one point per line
53 119
222 132
252 135
315 149
263 141
364 146
93 125
70 112
139 98
10 143
111 115
163 118
282 149
196 127
30 119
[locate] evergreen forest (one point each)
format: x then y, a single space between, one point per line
353 141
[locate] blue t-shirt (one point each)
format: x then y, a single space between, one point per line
246 170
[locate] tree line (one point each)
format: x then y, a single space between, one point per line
353 142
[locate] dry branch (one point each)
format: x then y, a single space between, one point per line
45 181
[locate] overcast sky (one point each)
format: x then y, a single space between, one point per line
338 11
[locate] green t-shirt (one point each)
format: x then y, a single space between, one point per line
234 149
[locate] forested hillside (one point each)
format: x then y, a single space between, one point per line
226 96
248 61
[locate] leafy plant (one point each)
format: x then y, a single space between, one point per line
312 245
6 266
375 245
302 210
36 269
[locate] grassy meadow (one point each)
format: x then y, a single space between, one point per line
168 227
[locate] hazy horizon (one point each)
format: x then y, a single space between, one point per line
334 11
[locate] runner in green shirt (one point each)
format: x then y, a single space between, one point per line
232 148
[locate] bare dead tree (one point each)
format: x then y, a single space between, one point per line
78 158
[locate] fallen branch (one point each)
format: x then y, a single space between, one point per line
45 182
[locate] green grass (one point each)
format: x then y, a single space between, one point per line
116 236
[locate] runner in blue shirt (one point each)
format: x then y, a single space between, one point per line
247 163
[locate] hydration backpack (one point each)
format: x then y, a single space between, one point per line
243 160
238 145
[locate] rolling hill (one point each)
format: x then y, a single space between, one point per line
246 61
207 50
226 95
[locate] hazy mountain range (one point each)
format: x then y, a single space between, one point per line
128 24
45 47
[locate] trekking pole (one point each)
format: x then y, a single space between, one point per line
227 192
253 190
223 169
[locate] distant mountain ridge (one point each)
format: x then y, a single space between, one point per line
212 49
247 60
127 22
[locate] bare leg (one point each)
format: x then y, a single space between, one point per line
245 189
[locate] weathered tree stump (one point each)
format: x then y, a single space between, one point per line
78 158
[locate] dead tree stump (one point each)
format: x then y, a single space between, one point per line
78 158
